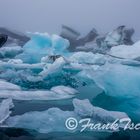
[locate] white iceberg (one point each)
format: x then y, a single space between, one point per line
85 109
15 61
87 58
8 86
56 93
125 51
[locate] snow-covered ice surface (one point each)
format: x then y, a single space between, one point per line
45 71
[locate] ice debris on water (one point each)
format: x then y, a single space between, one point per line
44 69
53 119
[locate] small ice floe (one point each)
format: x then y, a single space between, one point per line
10 52
56 93
64 90
8 86
15 61
85 109
5 107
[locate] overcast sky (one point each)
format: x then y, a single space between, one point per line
83 15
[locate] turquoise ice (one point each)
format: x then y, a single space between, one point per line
42 44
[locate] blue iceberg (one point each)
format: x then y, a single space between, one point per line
42 45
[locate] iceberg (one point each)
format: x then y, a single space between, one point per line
42 45
120 82
119 36
40 76
54 68
126 51
85 109
8 86
95 42
108 77
19 65
10 52
75 38
5 107
56 93
87 58
53 119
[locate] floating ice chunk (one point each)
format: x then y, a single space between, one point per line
53 119
125 51
118 80
64 90
10 51
8 86
17 64
15 61
42 45
56 93
56 67
121 84
85 109
88 58
5 107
